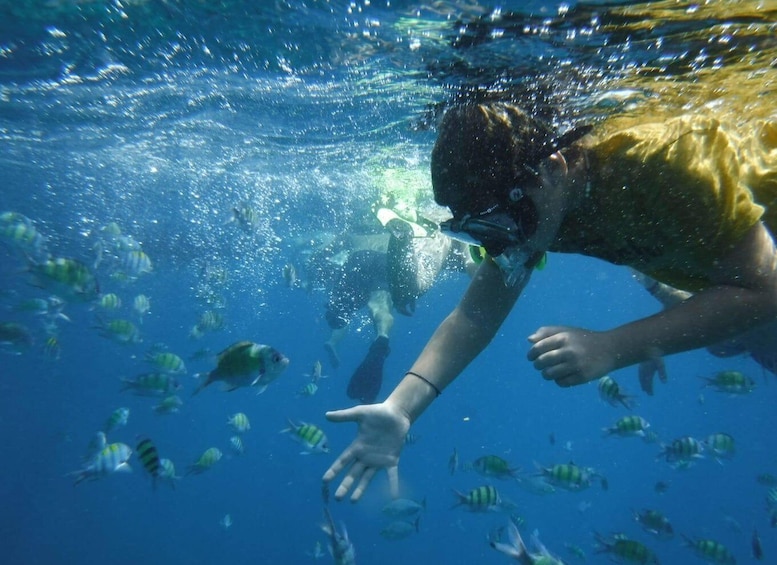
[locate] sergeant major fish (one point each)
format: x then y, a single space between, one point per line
311 437
151 384
113 458
711 551
480 499
731 382
167 472
610 392
239 422
149 457
209 458
69 276
626 550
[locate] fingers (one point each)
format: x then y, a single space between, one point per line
570 381
544 332
393 477
369 472
340 463
356 471
545 340
353 414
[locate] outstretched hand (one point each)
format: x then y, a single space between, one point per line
380 438
571 356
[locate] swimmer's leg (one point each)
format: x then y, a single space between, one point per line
366 381
330 345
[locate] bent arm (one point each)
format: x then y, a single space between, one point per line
744 295
458 340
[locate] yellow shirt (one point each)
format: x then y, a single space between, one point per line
670 198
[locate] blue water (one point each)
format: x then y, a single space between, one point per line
162 116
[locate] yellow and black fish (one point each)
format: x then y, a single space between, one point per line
149 457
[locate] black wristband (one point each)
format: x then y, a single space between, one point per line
427 381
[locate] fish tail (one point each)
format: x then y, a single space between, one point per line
516 548
203 381
80 476
291 428
461 498
627 401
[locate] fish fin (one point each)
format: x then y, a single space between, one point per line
508 550
260 389
461 498
203 381
123 468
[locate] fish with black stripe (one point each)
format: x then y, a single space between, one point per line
149 457
484 498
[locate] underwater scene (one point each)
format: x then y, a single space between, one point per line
186 184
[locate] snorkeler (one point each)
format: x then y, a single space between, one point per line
385 273
674 199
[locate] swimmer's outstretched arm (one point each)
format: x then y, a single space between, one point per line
455 343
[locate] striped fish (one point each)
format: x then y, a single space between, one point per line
120 331
654 522
108 301
151 384
480 499
117 419
731 382
167 362
626 550
721 445
113 458
631 425
149 457
568 476
495 466
68 277
682 452
167 472
239 422
169 405
610 392
142 305
236 444
135 263
311 437
20 232
711 551
206 461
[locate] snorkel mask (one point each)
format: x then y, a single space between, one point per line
503 227
502 230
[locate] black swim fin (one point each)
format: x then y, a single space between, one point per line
366 381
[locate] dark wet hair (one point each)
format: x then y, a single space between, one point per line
484 150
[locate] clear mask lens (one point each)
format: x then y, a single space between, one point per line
495 231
